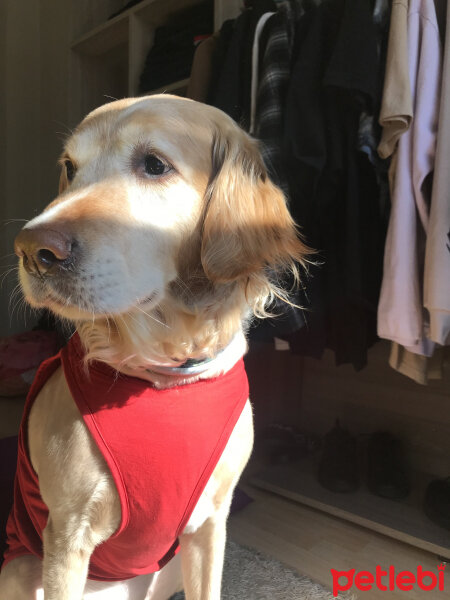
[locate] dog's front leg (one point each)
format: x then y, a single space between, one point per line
77 524
202 556
66 562
75 484
203 546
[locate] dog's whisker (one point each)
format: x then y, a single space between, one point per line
15 291
7 255
152 317
115 327
4 276
109 329
61 124
19 303
9 221
125 323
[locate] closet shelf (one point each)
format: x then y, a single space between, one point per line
402 520
103 38
115 32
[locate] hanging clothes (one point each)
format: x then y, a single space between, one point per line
420 369
272 88
395 118
256 51
232 89
396 107
400 312
333 188
437 256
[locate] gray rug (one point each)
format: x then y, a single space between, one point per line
251 575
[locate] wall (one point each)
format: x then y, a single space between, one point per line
34 92
20 132
54 125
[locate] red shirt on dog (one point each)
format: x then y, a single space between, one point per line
161 447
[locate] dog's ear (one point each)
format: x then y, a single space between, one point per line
247 225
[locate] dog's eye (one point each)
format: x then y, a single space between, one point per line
70 170
154 166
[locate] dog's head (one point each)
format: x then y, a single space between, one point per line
164 207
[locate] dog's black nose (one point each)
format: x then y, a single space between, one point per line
42 249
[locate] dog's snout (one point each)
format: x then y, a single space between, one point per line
42 249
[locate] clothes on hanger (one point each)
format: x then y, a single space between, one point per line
423 25
319 71
401 315
333 188
369 129
272 88
232 92
396 107
256 68
420 369
437 254
395 118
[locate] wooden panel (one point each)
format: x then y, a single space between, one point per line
115 31
158 12
85 15
402 520
103 38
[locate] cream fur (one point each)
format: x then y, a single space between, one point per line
161 269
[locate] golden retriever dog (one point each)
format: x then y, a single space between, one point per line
158 249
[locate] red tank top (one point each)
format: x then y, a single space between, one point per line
161 447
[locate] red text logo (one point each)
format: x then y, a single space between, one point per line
388 580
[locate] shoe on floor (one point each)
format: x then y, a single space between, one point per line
436 503
338 467
387 474
282 444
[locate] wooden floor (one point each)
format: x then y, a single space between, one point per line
307 540
313 543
